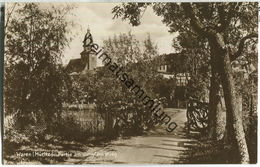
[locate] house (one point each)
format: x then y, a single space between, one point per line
174 66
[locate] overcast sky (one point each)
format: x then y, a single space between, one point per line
98 17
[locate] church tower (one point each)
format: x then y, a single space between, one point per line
88 56
88 60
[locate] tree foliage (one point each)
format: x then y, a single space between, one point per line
123 112
227 29
34 77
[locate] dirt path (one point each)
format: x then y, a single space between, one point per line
158 146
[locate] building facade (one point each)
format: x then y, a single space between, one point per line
174 67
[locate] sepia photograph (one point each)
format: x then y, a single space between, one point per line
129 83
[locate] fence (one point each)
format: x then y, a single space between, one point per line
197 115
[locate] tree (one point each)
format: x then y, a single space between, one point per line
163 88
123 48
34 77
226 27
135 56
204 79
121 109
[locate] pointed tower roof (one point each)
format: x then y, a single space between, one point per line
88 40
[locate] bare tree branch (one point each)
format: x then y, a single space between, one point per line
241 46
195 23
222 18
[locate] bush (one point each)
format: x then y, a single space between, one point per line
12 138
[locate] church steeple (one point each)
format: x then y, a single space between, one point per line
88 60
88 40
87 56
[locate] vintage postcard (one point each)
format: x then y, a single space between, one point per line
130 83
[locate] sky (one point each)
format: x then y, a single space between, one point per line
98 17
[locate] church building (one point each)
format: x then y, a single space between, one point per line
88 60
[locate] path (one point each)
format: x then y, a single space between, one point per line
157 147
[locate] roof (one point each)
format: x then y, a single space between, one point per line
173 57
76 65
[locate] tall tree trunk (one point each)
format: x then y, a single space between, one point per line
217 119
216 108
230 97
